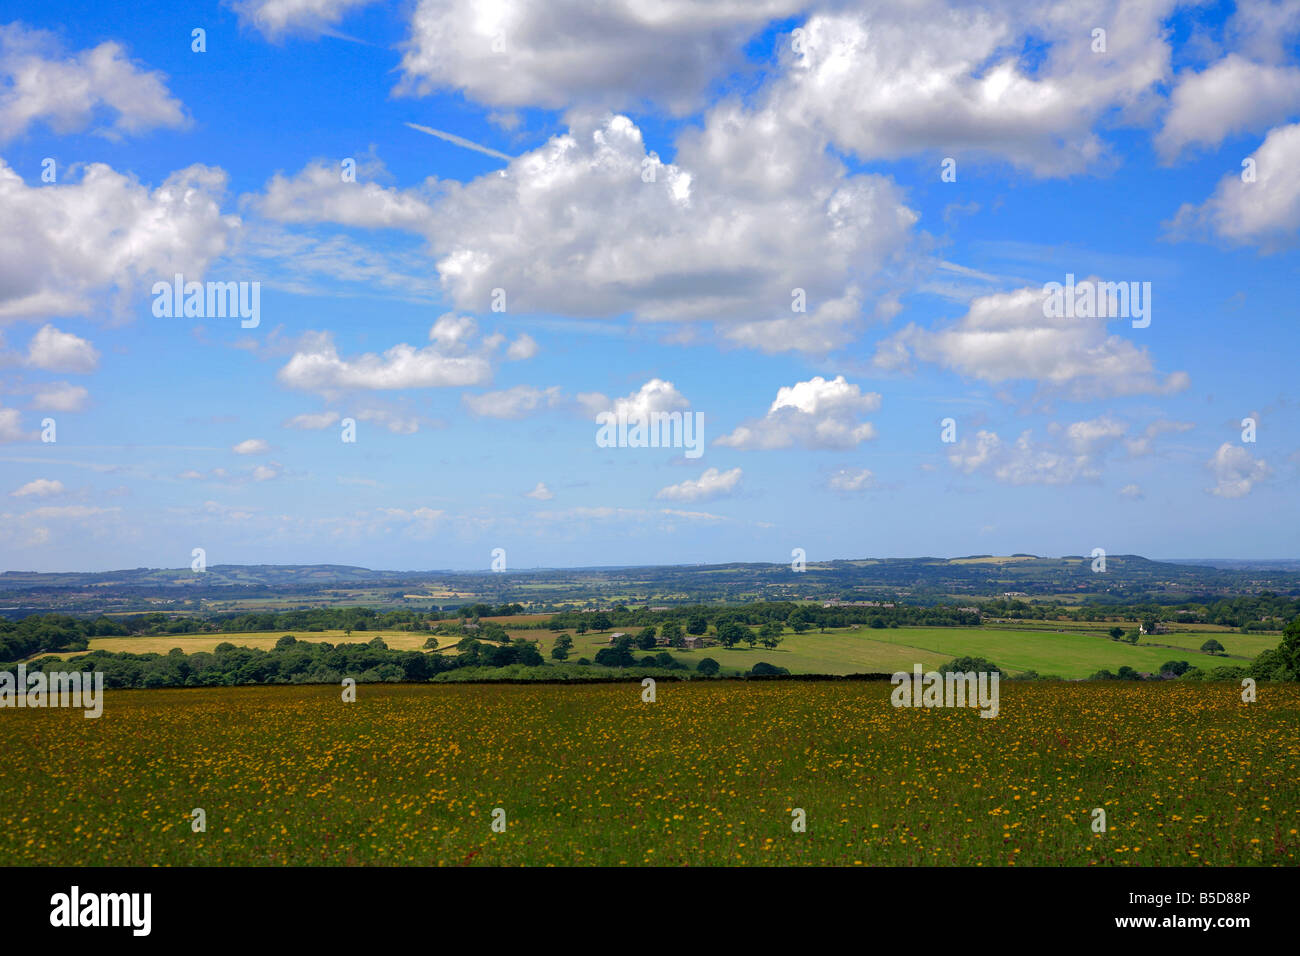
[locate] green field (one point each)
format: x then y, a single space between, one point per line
886 650
1242 645
711 773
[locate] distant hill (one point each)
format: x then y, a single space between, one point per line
924 580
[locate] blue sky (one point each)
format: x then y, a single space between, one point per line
678 171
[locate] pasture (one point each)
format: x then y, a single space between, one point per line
710 774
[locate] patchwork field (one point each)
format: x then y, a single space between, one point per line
709 774
847 651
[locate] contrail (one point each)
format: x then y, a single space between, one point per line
459 141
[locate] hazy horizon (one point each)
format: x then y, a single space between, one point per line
402 302
1262 562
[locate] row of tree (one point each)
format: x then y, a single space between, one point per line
53 632
1253 612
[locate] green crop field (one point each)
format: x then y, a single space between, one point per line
1241 645
712 772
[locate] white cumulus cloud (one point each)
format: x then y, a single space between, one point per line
818 413
1005 337
41 83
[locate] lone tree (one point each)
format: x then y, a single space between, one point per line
1212 647
730 633
708 667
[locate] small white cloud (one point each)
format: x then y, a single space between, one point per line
524 347
453 331
396 422
1095 435
1143 444
57 351
711 484
655 395
40 488
1026 462
1132 491
818 413
317 366
517 402
540 493
251 446
60 397
318 193
10 425
312 421
276 19
851 479
1235 471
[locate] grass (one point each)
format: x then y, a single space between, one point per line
1235 644
709 774
1065 655
886 650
